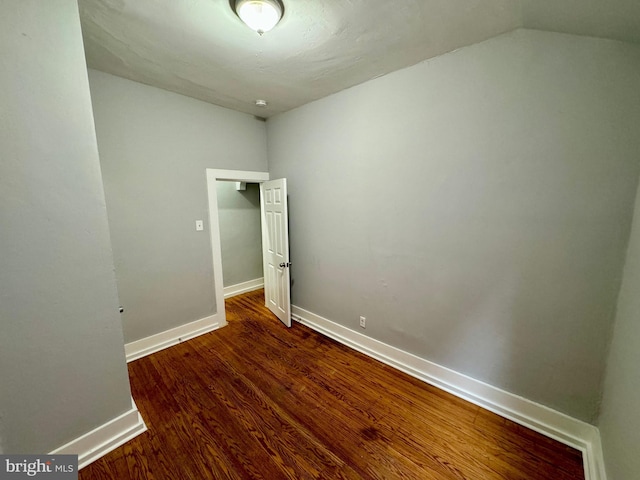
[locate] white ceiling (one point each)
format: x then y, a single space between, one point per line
201 49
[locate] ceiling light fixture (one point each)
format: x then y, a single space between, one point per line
259 15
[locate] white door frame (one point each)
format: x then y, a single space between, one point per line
214 176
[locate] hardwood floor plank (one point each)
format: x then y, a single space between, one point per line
256 400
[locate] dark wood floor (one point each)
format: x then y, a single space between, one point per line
258 400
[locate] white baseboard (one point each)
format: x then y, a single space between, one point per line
105 438
244 287
168 338
561 427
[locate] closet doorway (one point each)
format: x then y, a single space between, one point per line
274 234
240 236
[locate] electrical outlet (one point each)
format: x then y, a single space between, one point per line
363 322
199 225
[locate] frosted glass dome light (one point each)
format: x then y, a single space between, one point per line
259 15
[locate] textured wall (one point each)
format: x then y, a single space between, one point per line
475 208
154 149
62 365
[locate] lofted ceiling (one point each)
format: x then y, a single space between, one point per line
201 49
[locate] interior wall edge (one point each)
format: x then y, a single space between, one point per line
105 438
244 287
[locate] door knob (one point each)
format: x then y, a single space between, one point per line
283 265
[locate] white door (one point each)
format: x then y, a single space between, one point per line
275 248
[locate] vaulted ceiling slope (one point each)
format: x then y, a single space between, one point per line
199 48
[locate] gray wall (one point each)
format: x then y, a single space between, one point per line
62 365
620 418
154 149
240 232
474 207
